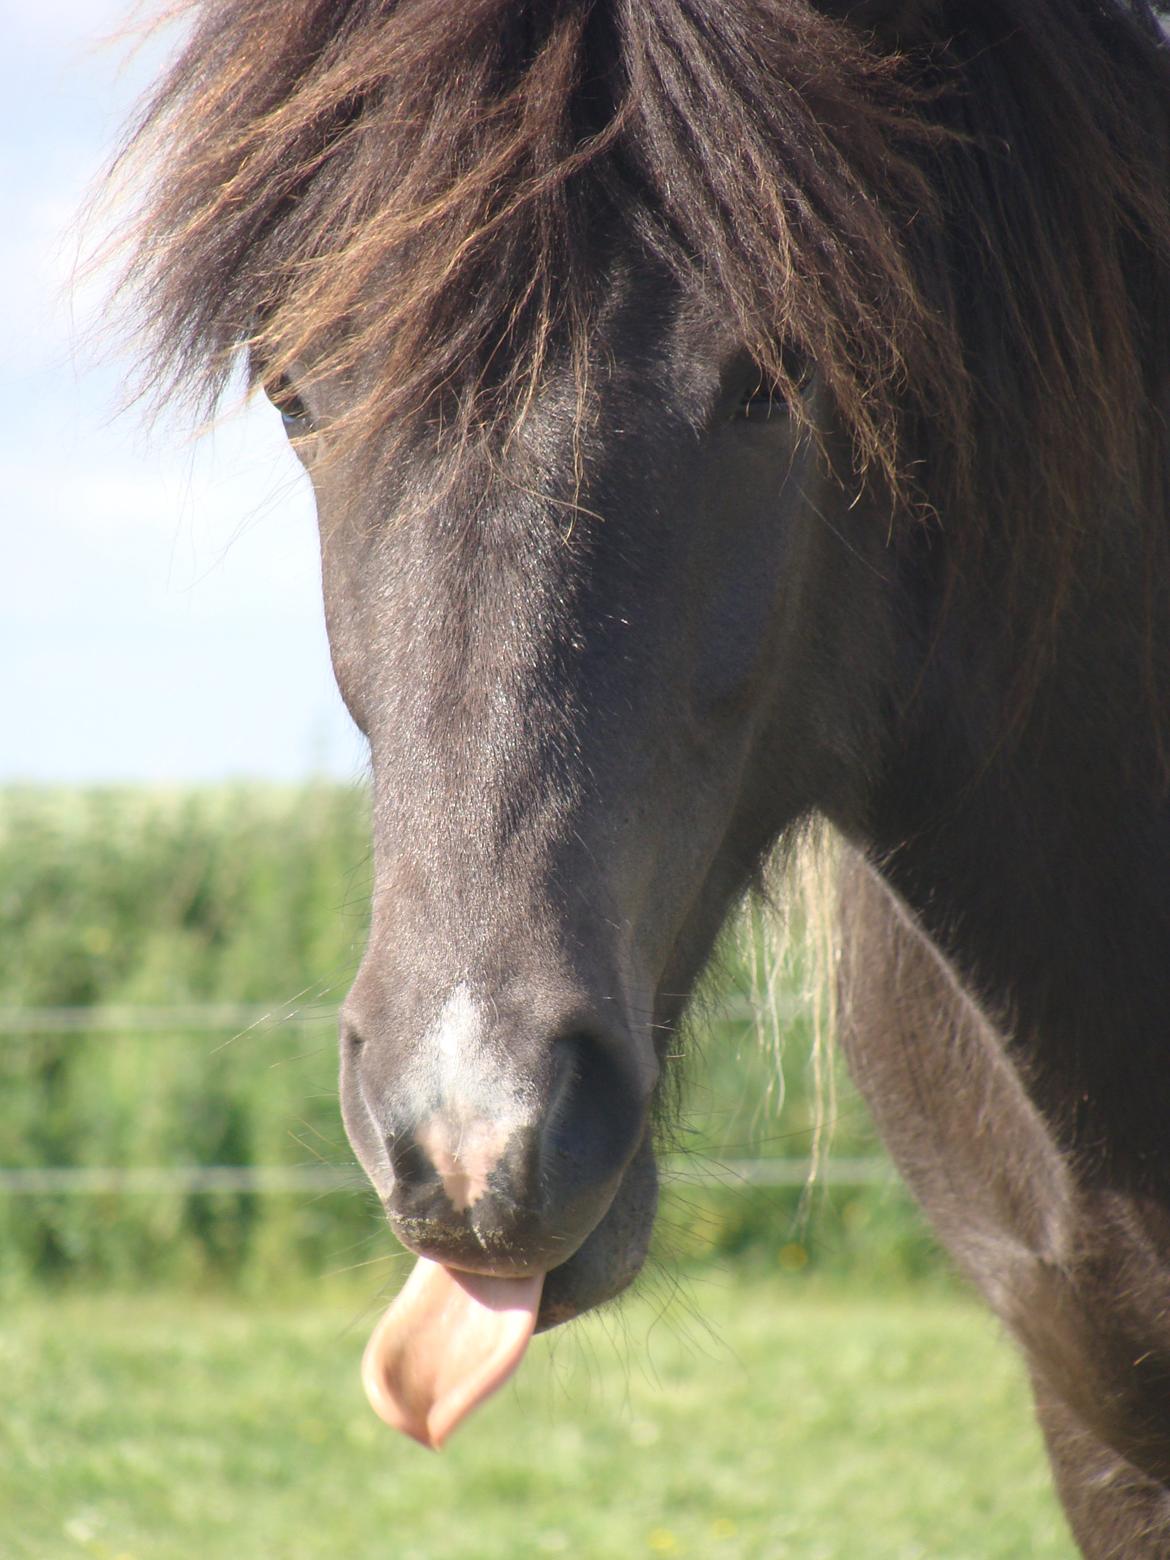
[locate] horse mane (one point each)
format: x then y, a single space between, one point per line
964 224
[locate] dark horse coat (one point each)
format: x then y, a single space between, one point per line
723 412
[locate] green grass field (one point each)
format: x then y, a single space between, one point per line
792 1420
801 1400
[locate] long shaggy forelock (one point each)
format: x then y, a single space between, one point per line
420 199
410 195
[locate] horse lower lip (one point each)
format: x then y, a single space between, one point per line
612 1255
555 1310
574 1288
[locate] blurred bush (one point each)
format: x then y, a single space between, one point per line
251 895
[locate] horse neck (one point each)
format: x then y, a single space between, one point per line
1029 834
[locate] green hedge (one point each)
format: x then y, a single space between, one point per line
259 895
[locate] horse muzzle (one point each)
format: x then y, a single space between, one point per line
501 1153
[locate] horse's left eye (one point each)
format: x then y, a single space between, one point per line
764 398
293 411
762 401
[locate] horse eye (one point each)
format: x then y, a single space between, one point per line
293 411
764 398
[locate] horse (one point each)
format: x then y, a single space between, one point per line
724 414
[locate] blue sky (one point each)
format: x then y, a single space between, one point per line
160 614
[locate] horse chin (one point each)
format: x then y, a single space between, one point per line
611 1256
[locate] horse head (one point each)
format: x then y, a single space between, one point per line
592 703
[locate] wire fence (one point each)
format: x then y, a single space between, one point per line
243 1017
238 1020
190 1018
75 1181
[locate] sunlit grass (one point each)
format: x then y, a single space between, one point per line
765 1415
762 1418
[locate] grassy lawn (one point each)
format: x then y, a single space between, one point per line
794 1420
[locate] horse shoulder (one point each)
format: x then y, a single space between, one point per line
1042 1242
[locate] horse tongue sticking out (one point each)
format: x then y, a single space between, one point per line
448 1341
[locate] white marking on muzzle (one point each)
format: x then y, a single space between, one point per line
480 1107
456 1039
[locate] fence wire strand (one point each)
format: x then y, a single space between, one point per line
209 1018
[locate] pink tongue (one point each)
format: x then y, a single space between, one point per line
447 1342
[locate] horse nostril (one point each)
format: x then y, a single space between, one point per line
411 1165
596 1117
352 1039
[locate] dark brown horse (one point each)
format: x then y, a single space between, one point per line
723 412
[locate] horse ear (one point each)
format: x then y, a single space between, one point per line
893 21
